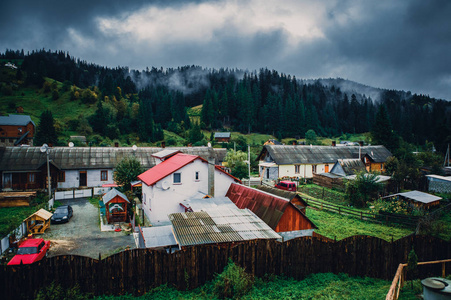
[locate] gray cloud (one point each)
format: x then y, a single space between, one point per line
388 44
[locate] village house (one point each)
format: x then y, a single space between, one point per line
344 169
281 214
222 137
301 161
16 130
177 178
25 168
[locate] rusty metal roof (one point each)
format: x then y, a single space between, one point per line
75 158
281 193
267 207
219 226
302 154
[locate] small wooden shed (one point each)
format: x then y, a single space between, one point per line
38 222
417 199
116 206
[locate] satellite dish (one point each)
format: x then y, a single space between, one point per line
134 147
165 185
71 144
44 148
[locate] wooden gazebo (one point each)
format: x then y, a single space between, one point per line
116 206
38 222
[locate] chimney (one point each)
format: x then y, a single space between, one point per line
163 144
334 143
116 144
211 171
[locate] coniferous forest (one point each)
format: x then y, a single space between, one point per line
263 101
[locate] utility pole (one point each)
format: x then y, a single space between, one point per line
249 163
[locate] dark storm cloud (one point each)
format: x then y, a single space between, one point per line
388 44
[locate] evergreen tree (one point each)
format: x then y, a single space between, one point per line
45 132
382 132
99 120
145 122
195 134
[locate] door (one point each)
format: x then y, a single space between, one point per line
83 178
326 169
267 173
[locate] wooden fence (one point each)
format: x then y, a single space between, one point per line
400 277
139 270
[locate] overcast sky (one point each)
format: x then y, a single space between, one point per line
403 45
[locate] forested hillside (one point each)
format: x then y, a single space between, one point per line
146 102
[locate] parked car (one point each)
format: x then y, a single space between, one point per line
30 251
286 185
62 214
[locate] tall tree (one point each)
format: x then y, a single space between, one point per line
382 132
45 132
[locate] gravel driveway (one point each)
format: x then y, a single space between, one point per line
82 235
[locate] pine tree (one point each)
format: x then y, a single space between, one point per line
45 132
382 132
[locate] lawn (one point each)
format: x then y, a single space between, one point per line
337 226
11 217
315 286
323 193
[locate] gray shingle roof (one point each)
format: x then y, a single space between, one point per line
15 120
111 194
300 154
75 158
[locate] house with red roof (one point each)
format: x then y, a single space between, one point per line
177 178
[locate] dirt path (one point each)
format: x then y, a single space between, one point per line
82 235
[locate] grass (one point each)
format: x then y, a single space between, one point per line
11 217
337 226
315 286
323 193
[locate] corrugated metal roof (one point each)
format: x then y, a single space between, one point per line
418 196
111 194
219 226
76 158
16 120
266 206
222 134
158 236
301 154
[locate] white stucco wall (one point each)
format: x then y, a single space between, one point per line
159 202
72 178
305 170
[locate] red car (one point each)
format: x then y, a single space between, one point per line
30 251
286 185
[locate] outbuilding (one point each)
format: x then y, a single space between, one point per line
418 199
115 206
38 222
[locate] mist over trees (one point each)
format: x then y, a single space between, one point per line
264 101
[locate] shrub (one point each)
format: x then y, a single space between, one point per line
54 291
233 282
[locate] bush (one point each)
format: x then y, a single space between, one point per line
233 282
54 291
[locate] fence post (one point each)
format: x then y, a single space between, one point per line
339 208
443 269
361 217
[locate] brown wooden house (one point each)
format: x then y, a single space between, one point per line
222 137
279 213
116 206
16 130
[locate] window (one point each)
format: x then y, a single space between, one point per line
104 175
297 169
177 178
20 130
197 176
61 176
382 167
31 178
313 168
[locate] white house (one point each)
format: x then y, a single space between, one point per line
177 178
299 161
